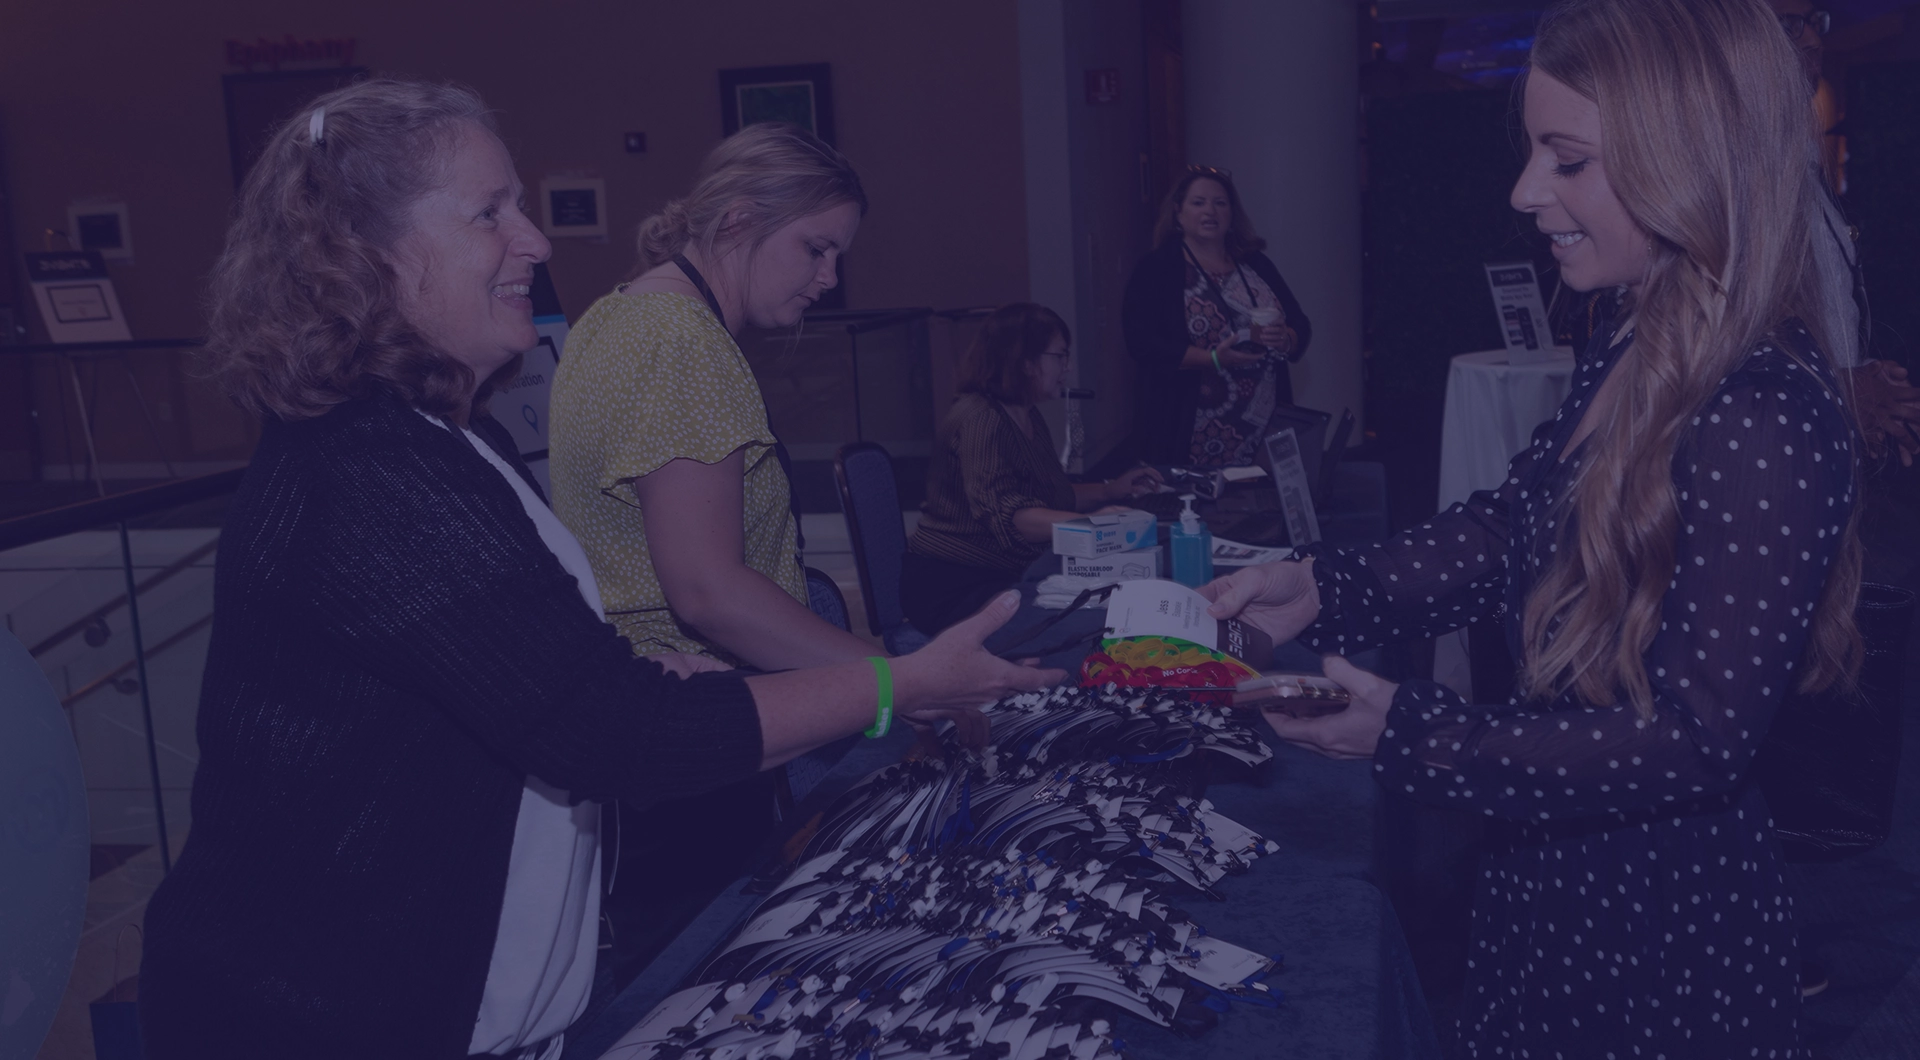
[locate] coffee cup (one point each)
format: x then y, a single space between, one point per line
1264 316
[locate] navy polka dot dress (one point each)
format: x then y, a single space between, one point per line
1631 903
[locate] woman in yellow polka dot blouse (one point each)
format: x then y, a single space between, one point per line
663 463
1672 557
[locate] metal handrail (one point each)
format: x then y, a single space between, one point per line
118 509
98 614
115 508
117 672
120 346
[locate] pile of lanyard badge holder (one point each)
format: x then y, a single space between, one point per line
997 905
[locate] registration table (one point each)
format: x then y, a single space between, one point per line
1348 981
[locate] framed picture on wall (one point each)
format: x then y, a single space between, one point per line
800 94
258 103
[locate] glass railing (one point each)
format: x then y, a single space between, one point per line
845 376
100 418
113 598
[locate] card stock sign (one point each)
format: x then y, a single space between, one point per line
1523 319
76 297
520 404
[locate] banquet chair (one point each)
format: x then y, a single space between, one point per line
824 598
870 500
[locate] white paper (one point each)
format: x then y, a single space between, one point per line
1154 607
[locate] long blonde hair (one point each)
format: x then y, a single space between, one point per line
777 173
1708 141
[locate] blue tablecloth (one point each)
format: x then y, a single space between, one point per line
1348 979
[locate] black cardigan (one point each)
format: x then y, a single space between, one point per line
394 651
1154 321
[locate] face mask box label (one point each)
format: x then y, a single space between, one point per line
1114 566
1097 535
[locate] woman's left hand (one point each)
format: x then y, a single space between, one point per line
1277 337
1135 483
970 727
1353 732
683 665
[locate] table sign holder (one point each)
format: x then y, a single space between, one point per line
76 297
1522 314
1289 473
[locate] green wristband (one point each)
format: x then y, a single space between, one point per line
882 714
1216 361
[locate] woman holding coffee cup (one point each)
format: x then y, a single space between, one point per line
1211 327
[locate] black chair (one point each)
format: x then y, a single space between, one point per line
824 599
870 499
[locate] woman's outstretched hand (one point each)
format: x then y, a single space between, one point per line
683 664
1280 599
953 677
1351 733
1134 483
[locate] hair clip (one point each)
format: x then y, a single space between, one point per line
317 126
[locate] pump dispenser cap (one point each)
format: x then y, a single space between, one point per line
1189 519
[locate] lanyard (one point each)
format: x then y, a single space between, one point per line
779 447
1220 296
700 284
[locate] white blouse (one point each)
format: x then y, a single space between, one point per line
543 956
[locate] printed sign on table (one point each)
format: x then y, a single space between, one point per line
1289 473
1523 317
76 297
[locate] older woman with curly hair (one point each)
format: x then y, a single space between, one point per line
411 699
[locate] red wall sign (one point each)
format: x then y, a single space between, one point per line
1103 86
290 49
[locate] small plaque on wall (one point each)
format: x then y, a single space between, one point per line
576 206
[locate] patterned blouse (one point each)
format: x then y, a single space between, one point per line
1236 404
1632 901
647 379
984 469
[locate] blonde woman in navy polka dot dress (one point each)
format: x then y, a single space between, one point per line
1671 557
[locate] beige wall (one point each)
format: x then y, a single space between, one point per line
120 97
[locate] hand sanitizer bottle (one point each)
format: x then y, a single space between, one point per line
1192 547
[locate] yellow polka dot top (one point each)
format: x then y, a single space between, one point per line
646 379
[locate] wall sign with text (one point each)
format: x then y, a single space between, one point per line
576 206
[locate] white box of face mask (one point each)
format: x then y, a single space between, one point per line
1097 535
1114 566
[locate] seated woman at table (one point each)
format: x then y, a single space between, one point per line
1211 328
994 484
1674 554
411 700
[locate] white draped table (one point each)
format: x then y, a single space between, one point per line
1492 409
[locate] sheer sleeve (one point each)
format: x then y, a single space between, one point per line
1766 490
1437 577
